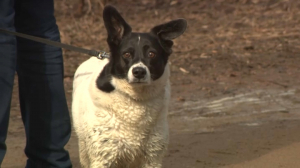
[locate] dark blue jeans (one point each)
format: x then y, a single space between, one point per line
40 73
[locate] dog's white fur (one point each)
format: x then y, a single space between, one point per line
125 128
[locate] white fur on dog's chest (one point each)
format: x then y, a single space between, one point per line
127 118
137 114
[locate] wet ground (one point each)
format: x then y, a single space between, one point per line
235 79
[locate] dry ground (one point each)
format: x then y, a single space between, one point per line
235 79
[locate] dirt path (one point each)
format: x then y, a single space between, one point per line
235 80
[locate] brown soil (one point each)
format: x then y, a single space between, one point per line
235 79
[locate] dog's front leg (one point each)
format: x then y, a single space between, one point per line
102 153
157 146
156 154
83 155
153 165
100 161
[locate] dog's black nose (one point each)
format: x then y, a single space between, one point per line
139 72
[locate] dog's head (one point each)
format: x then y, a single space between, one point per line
140 58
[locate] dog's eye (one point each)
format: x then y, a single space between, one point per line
127 55
151 55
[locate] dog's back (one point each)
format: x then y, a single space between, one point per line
82 81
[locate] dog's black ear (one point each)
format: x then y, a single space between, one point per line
170 30
116 26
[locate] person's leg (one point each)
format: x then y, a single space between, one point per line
42 98
7 69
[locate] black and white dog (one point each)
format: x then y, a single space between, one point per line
120 104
